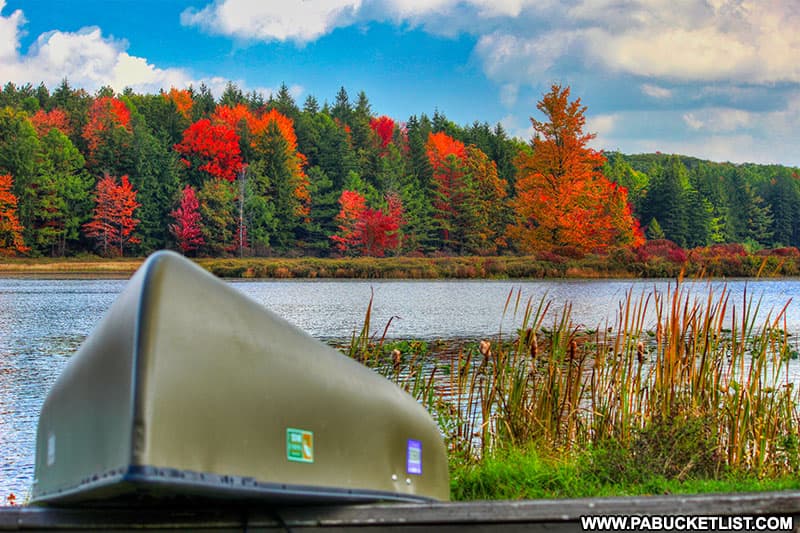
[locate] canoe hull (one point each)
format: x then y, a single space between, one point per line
187 387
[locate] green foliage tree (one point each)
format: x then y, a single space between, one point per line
19 154
61 195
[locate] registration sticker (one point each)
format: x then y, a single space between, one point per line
414 457
299 445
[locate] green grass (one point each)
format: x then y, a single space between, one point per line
530 474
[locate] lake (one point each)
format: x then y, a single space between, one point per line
42 322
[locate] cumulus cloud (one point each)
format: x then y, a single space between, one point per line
254 19
719 120
654 91
724 40
305 21
86 58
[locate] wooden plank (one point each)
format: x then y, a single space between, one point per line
522 515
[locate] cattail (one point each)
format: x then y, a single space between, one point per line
397 359
485 347
534 346
640 352
573 348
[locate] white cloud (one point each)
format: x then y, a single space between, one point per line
728 41
719 120
9 33
300 21
509 93
307 20
692 121
518 59
87 59
654 91
512 125
601 125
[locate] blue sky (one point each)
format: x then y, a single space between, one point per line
718 79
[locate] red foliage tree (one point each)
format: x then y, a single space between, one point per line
376 232
106 115
368 231
383 126
55 118
11 241
212 149
112 225
187 229
563 199
353 205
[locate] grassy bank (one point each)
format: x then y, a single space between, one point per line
657 262
700 400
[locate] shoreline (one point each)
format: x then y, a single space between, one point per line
402 267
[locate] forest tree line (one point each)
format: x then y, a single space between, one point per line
128 173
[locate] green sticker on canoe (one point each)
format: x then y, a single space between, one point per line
299 445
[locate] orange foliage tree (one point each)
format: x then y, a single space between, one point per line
563 200
182 99
55 118
112 225
11 241
446 156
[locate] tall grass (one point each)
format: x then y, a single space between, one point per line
674 384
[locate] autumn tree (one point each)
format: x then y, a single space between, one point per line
187 229
367 231
11 241
113 224
210 150
562 196
44 121
352 205
446 156
383 127
108 135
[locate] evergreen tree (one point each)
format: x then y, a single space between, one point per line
284 103
19 150
62 200
666 200
342 108
232 95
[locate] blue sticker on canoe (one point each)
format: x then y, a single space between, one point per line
414 457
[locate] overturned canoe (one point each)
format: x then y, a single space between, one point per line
189 388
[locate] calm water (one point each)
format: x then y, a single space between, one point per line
42 322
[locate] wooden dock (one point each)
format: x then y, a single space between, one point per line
507 516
